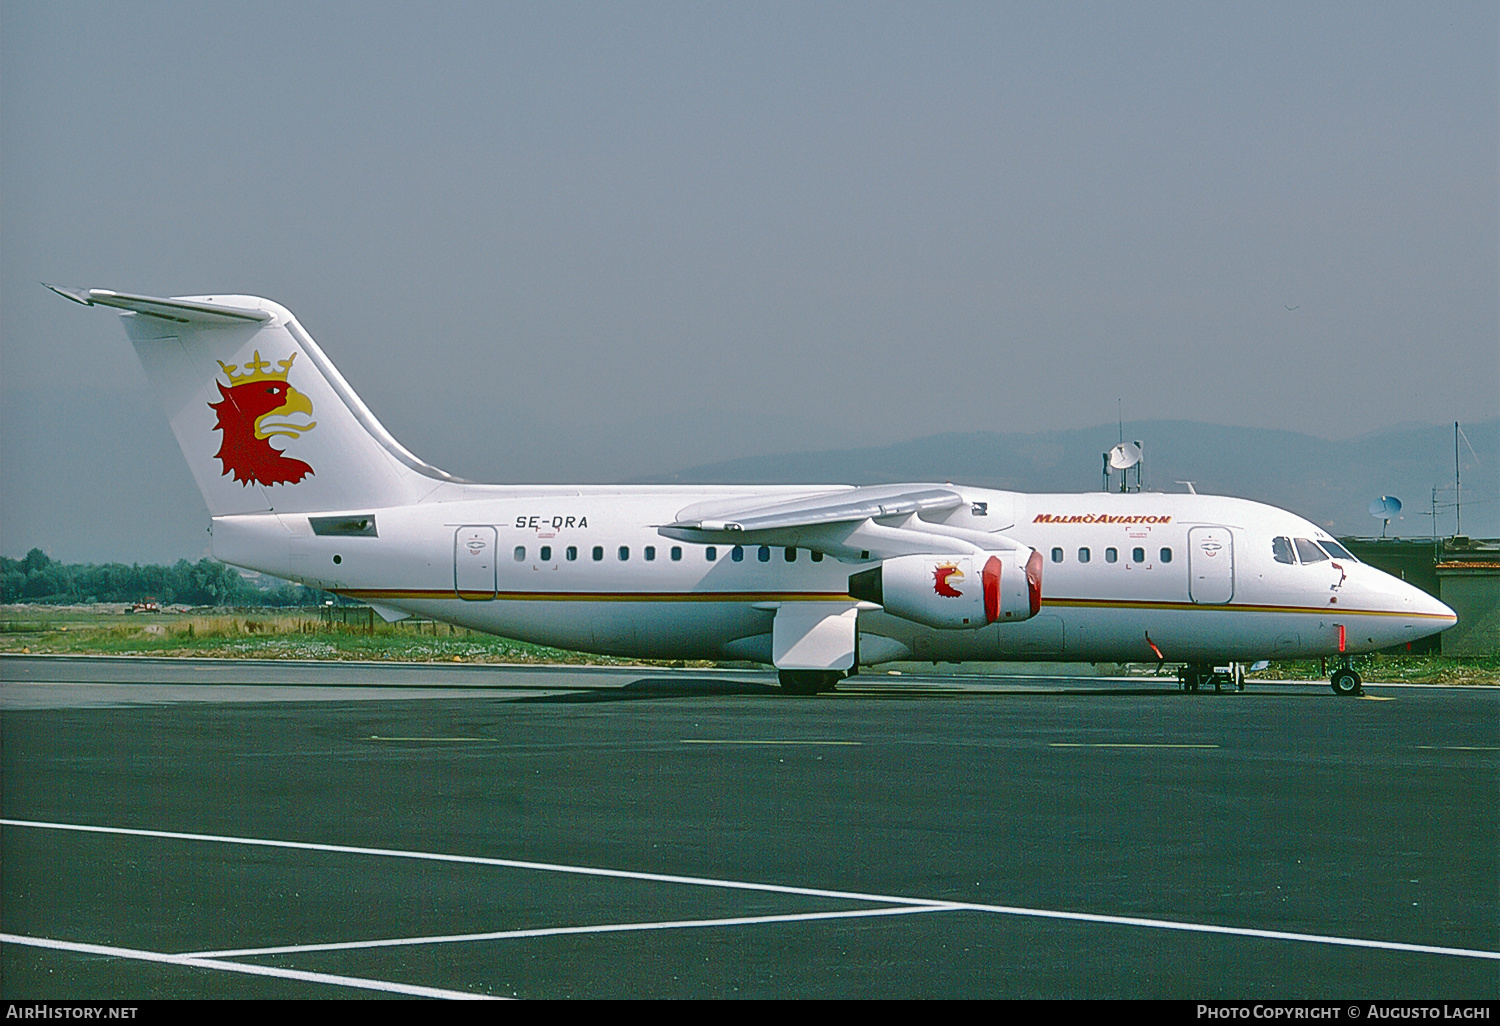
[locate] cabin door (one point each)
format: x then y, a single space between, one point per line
1210 565
474 562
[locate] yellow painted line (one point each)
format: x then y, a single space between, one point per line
592 596
1230 607
377 737
767 741
1103 744
1376 698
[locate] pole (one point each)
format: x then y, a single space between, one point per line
1458 494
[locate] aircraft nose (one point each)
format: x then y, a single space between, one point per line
1436 615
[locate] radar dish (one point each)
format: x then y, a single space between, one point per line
1385 507
1124 456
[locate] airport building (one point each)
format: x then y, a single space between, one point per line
1462 572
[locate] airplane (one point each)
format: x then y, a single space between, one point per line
818 581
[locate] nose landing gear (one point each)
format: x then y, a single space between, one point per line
1345 681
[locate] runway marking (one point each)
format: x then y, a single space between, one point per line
767 741
479 860
699 881
197 962
1459 748
377 737
558 931
1112 744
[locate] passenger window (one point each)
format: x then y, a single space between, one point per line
791 555
624 553
737 553
1308 552
1138 555
650 552
520 553
1166 555
598 553
676 553
1057 555
711 553
764 555
1083 555
1281 549
1111 555
572 552
546 553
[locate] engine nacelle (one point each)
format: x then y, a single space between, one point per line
955 592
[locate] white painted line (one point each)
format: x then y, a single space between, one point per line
698 881
1238 931
476 860
237 967
557 931
1459 748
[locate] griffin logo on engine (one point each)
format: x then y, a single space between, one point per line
945 577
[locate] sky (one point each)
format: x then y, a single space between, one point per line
595 242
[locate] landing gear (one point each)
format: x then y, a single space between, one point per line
1199 676
1345 681
808 682
1195 676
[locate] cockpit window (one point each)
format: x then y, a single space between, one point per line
1281 548
1337 551
1308 552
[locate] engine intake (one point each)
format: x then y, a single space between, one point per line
955 592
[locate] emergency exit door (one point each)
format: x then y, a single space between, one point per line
474 563
1210 565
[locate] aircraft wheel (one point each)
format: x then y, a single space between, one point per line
1195 678
807 682
1345 682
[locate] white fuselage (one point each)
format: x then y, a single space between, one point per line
815 580
1185 578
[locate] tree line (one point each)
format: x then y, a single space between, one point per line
39 578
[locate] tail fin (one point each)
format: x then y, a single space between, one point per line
237 374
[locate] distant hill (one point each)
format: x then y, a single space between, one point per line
1330 483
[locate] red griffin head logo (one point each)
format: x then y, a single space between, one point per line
943 575
258 404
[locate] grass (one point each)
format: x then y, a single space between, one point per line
1394 669
305 634
261 634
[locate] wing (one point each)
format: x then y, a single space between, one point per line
875 522
845 505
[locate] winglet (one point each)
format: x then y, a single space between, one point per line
76 295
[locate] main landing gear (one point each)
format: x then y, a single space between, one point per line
1201 676
808 682
1345 681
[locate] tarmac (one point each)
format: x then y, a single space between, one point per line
175 828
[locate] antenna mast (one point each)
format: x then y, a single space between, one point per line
1458 494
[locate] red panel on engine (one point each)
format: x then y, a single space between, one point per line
1034 581
991 578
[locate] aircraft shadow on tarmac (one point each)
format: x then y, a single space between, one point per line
660 687
648 688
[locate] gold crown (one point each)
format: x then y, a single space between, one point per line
256 370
